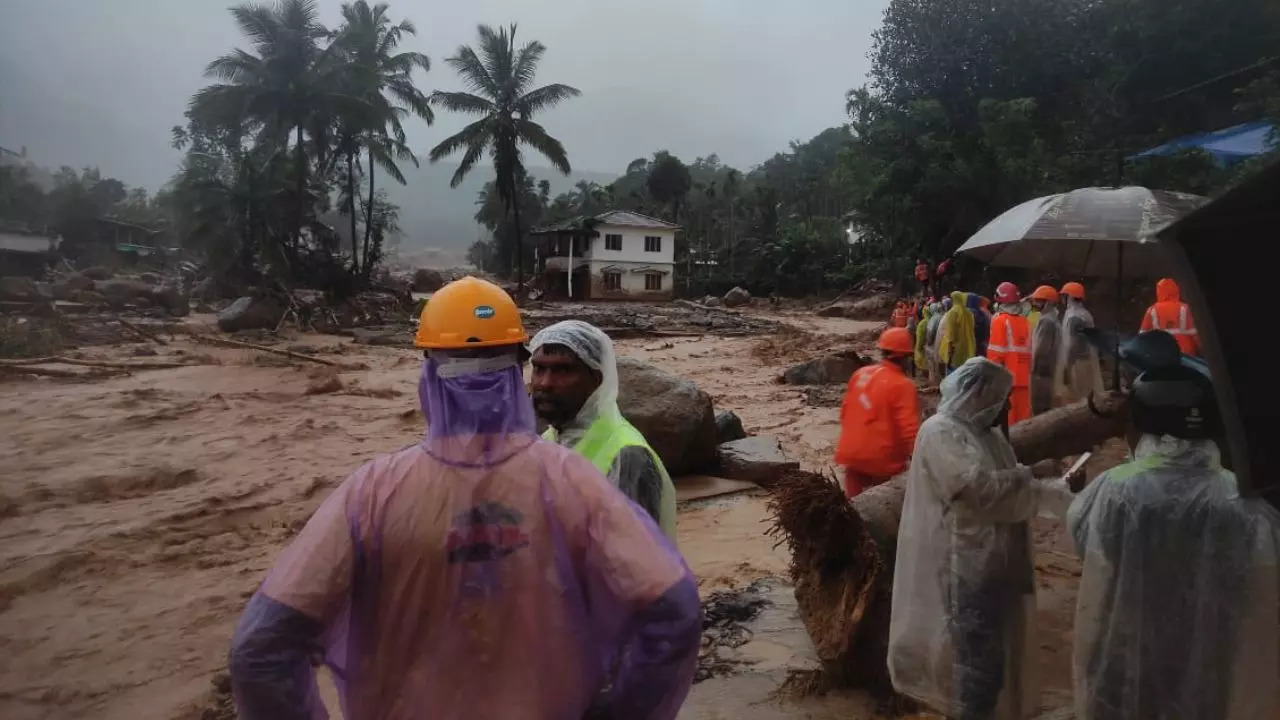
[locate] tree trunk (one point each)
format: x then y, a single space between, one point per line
368 210
300 189
842 552
515 215
351 208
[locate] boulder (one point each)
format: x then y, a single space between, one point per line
171 298
44 291
18 288
97 272
120 291
758 459
151 278
714 302
250 313
383 337
729 427
875 307
835 310
204 289
673 414
827 370
427 280
737 297
67 287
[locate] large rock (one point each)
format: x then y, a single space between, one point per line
171 297
67 287
839 309
875 307
673 414
737 297
97 272
827 370
250 313
120 292
729 427
427 280
758 459
18 288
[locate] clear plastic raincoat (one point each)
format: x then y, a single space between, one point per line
960 635
1045 338
931 341
482 573
636 470
1178 616
1077 371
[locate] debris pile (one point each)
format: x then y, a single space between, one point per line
725 615
680 317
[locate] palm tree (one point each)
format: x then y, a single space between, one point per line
499 78
383 78
281 87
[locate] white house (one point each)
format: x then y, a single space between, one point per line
624 255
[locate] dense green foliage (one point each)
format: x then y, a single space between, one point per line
972 108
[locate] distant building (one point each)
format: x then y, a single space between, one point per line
614 255
26 253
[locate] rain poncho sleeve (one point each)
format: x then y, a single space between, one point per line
1178 615
1077 369
637 475
479 573
956 342
960 637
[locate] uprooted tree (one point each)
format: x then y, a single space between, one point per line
842 552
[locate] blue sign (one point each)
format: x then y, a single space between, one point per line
484 312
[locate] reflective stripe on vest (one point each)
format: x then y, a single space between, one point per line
601 444
864 379
1183 327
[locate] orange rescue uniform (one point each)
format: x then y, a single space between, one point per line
1010 347
1173 316
878 425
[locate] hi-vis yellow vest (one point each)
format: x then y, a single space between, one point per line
601 444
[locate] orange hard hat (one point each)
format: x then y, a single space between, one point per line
469 313
897 340
1007 292
1073 289
1045 292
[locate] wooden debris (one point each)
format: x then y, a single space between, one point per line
263 348
145 334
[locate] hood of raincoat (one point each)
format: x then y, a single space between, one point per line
1167 291
594 348
976 392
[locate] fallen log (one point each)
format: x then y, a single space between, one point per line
57 372
25 362
842 552
145 334
263 348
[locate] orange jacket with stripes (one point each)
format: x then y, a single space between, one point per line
878 421
1010 346
1173 316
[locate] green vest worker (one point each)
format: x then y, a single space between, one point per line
575 390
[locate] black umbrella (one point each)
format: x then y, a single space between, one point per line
1229 287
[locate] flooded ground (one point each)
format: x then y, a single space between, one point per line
138 513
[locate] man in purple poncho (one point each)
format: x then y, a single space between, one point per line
481 573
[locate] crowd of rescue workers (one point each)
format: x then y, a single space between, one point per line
492 572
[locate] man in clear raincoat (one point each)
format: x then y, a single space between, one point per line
960 633
1178 616
1045 338
575 389
480 573
1077 369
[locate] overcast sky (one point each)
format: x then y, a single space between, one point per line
101 82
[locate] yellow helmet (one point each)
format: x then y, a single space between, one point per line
469 313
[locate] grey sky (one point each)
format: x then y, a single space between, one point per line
101 82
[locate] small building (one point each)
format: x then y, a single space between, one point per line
616 255
26 253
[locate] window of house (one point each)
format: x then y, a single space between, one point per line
613 281
612 242
653 281
652 243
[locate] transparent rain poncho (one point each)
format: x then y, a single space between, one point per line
1077 372
960 634
1178 616
481 573
1045 339
637 472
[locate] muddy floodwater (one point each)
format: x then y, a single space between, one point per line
138 513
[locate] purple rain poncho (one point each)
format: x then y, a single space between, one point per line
482 573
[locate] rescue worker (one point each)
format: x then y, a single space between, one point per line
981 323
1173 316
1045 337
921 355
1176 616
479 573
879 417
960 630
901 315
931 342
1078 369
575 390
1010 347
956 342
922 275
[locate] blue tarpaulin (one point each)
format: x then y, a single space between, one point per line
1226 146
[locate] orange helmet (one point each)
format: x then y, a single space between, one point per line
1073 289
897 341
1007 292
469 313
1046 293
